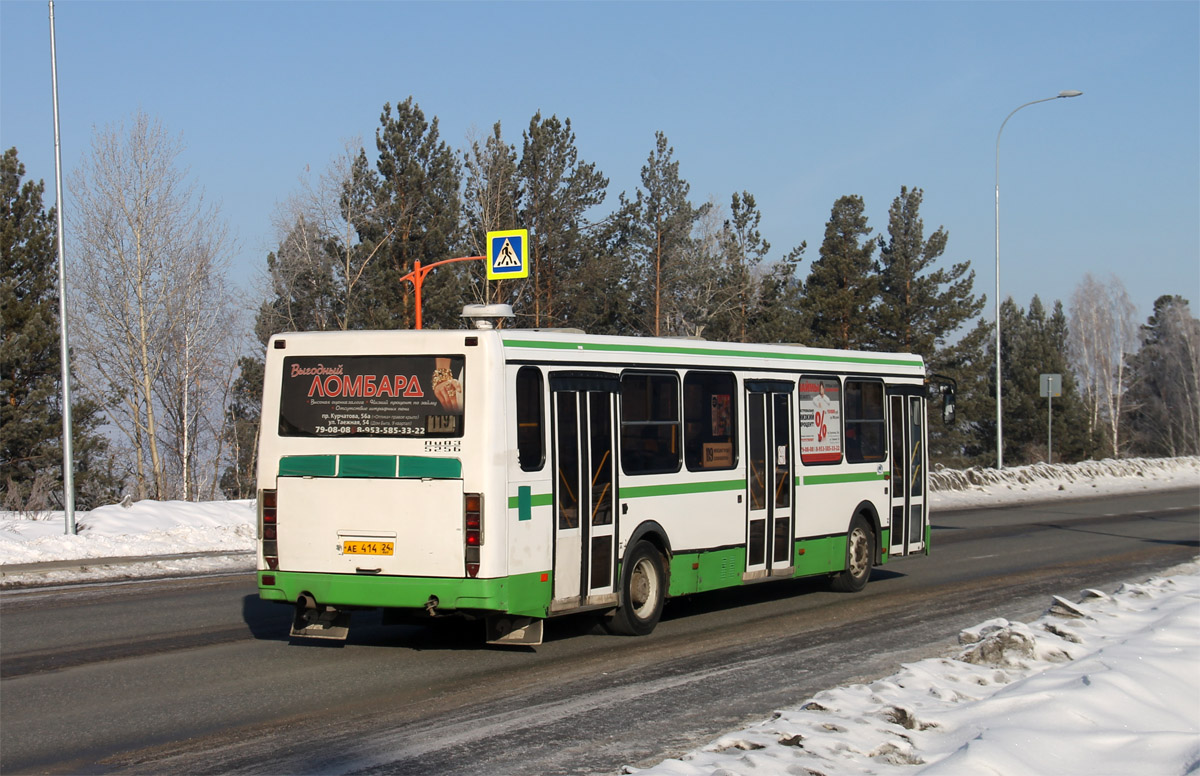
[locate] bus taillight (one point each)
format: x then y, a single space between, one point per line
472 531
268 529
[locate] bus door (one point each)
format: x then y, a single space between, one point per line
770 481
584 414
907 418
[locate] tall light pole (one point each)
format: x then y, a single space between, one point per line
64 349
999 391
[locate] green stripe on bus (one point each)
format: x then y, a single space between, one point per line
535 500
699 351
829 479
406 466
433 468
698 572
367 466
682 488
308 466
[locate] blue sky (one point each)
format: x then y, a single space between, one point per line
798 103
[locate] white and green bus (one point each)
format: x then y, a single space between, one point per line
517 475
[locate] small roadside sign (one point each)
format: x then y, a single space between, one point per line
1051 385
508 254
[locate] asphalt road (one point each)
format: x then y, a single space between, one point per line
198 676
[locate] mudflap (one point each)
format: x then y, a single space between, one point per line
315 621
508 630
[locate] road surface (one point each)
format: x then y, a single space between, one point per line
198 676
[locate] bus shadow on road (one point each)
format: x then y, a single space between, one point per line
814 589
267 620
271 621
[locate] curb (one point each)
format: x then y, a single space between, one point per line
82 564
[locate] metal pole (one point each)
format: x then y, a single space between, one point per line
417 277
68 454
1049 426
999 388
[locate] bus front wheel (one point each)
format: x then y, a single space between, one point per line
860 553
643 591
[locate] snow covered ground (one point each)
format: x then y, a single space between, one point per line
1109 685
225 530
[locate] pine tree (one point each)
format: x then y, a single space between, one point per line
840 288
919 307
241 429
30 363
557 190
662 221
413 216
1033 344
971 441
743 250
781 316
1164 384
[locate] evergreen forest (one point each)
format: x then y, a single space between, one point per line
167 358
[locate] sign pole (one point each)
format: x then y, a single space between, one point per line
1049 429
1050 385
65 355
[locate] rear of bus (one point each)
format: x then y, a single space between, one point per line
367 497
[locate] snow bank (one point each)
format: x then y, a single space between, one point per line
1109 685
153 528
143 528
960 488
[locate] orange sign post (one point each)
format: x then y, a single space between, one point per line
417 276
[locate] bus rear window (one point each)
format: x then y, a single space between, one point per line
372 396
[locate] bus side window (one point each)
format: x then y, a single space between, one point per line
710 441
865 438
531 450
650 423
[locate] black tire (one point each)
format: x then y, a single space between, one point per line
860 557
642 594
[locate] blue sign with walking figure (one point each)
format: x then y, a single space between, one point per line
508 255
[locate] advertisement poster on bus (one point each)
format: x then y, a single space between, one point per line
820 420
375 396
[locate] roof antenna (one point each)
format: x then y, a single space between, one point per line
487 316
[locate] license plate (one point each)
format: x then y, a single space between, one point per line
368 548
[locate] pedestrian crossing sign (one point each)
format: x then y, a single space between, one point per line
508 254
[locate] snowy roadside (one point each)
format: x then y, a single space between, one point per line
224 531
152 529
1110 685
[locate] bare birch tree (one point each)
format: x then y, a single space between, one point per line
320 262
147 304
197 379
1103 332
690 308
491 200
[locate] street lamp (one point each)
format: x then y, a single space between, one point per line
999 420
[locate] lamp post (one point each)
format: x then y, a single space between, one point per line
999 391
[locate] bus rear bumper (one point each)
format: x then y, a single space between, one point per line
524 594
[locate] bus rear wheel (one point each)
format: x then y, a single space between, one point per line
860 554
643 592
